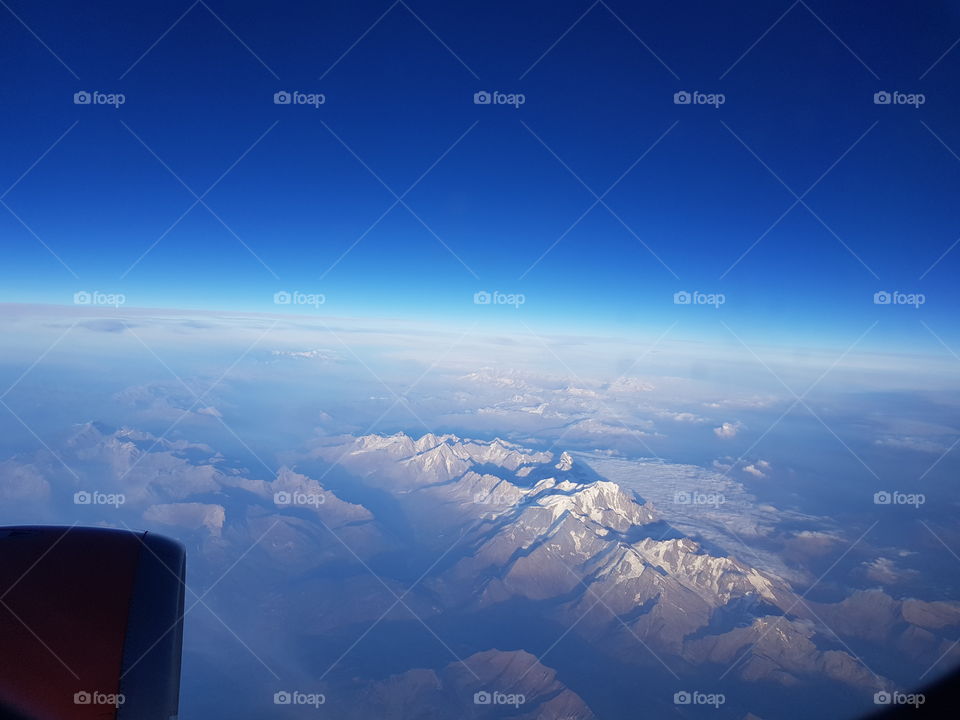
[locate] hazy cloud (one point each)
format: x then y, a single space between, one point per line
727 430
758 469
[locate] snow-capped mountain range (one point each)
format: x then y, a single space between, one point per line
523 564
542 527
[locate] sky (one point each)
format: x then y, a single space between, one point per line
796 199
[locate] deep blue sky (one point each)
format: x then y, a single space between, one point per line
399 99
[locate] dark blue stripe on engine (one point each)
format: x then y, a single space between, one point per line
150 675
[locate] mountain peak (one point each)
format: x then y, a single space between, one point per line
602 503
566 461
